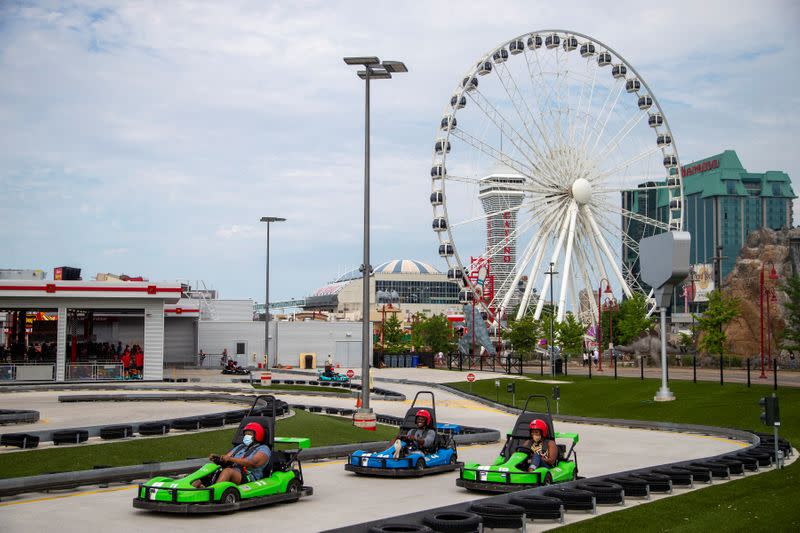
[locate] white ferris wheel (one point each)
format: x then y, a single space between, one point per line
552 149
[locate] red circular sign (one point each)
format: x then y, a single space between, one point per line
470 377
350 373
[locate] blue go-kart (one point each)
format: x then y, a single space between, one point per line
328 375
441 457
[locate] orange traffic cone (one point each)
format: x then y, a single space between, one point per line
358 402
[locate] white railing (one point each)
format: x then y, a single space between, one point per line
94 371
28 372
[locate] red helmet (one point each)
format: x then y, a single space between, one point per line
424 414
540 425
257 429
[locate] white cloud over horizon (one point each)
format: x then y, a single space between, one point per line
150 137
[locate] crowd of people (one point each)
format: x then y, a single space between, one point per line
130 357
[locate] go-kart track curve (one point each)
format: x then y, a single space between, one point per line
341 498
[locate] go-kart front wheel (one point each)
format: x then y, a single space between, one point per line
294 487
420 464
231 495
548 479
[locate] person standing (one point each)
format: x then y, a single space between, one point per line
126 363
224 360
139 360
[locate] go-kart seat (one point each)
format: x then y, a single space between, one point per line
522 431
410 422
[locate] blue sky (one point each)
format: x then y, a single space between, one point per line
149 137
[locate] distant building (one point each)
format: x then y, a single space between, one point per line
723 202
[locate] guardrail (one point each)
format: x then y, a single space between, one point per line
27 372
94 371
18 416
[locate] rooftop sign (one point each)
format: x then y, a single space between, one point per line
700 167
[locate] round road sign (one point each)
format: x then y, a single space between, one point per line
350 373
470 377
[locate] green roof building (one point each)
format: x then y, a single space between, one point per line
723 202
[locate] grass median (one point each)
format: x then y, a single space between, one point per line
755 503
321 429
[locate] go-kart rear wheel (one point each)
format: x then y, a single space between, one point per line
294 487
231 495
420 464
548 479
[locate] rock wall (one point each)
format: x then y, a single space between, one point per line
781 247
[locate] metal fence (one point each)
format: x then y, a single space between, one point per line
94 371
28 372
506 363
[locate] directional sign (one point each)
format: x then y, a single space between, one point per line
470 377
350 373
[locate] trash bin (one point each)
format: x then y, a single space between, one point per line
407 361
392 360
414 361
559 366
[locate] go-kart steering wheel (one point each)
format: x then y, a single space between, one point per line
524 449
217 460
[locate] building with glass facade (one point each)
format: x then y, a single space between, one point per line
404 284
723 202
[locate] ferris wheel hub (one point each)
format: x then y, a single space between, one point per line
582 191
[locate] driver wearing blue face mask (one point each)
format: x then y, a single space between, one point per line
246 461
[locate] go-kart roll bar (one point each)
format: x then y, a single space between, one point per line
546 401
255 402
433 399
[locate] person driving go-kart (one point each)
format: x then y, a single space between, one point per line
246 461
420 438
544 449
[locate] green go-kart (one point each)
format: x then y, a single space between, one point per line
510 471
282 481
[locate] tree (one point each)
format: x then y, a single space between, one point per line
632 320
393 334
570 334
720 312
434 334
685 341
789 338
524 335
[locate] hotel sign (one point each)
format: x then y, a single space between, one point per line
700 167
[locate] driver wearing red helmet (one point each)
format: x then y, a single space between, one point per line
545 450
421 438
246 461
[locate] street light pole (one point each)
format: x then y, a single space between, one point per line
551 273
373 69
268 220
600 322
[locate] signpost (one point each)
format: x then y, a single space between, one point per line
350 373
497 390
470 379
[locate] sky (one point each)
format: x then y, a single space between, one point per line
149 138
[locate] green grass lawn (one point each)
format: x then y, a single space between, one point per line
322 430
767 501
303 388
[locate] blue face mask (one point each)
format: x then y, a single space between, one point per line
247 440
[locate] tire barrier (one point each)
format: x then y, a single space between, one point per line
212 421
70 436
748 463
499 515
399 528
763 458
735 466
655 482
18 416
186 424
538 507
634 487
718 470
20 440
699 474
116 432
605 492
678 475
574 499
453 522
154 428
288 381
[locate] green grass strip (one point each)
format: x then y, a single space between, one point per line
756 503
322 430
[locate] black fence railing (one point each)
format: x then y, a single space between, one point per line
507 364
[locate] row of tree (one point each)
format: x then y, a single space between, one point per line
623 326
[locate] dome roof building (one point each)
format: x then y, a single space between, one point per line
407 285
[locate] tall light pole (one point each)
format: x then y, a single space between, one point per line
268 220
600 322
762 290
374 69
550 272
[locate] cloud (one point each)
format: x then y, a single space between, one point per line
168 129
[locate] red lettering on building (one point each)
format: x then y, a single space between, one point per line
700 167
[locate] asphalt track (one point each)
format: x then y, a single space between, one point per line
341 498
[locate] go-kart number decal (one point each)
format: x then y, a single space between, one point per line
151 494
364 461
434 456
482 476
